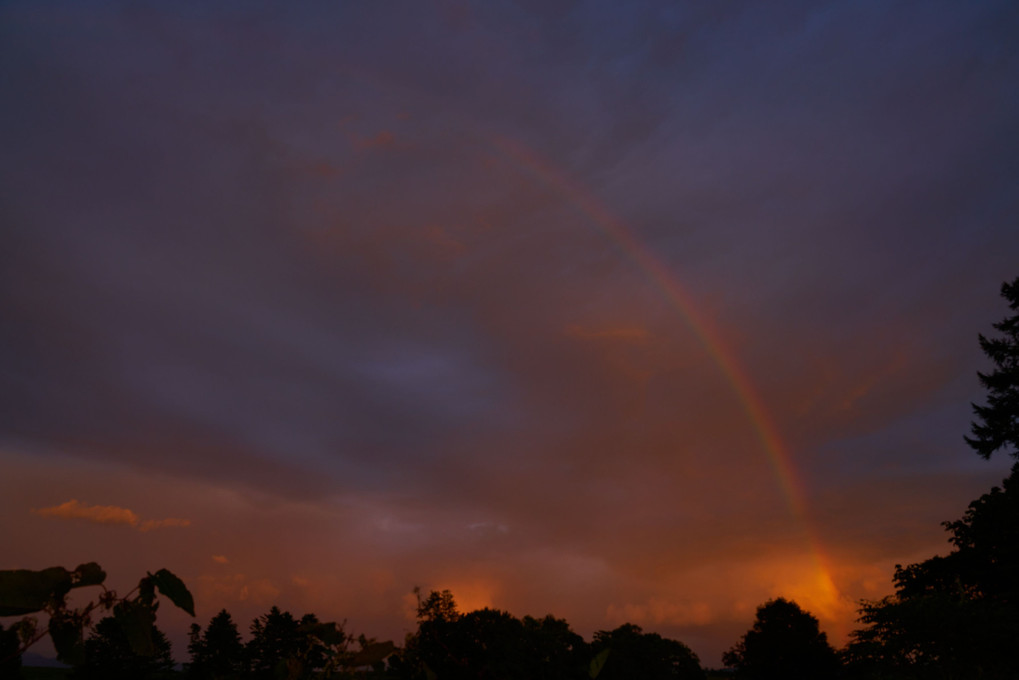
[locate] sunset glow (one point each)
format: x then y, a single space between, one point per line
640 313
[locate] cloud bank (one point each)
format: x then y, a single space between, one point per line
107 514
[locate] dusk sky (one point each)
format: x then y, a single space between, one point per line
623 312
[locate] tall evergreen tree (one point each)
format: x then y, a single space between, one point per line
217 653
999 418
276 639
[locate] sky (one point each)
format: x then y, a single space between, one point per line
637 312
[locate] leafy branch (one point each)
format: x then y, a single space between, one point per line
24 592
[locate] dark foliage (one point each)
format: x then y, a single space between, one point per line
283 647
999 418
24 592
555 652
493 644
632 653
276 641
110 655
785 642
485 643
217 653
10 660
957 616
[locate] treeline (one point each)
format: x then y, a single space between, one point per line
486 643
282 646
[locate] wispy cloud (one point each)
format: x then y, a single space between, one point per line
100 514
150 524
107 514
615 333
235 588
384 138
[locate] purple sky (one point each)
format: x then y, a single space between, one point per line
284 275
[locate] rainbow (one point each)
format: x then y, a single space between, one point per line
708 336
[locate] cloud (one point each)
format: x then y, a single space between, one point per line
107 514
657 611
220 559
615 333
324 169
382 139
150 524
100 514
237 588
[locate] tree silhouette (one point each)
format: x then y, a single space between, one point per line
275 639
283 647
632 653
958 615
487 643
455 646
429 648
10 660
217 653
438 606
490 643
555 652
785 642
110 655
999 426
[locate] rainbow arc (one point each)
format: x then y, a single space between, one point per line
709 338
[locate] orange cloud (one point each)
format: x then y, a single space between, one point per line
220 559
100 514
107 514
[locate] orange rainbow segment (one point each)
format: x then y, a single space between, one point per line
709 338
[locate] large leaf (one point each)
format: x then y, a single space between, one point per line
90 574
173 588
23 591
137 619
598 663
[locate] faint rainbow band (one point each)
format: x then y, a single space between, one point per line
709 338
